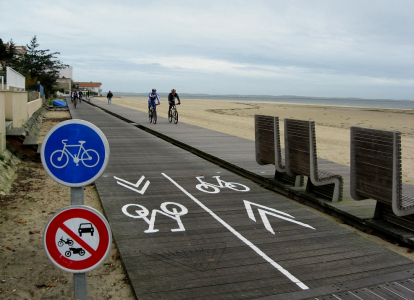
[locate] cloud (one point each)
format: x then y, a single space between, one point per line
317 46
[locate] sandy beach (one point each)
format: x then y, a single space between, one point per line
332 122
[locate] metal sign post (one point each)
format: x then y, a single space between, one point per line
75 153
79 279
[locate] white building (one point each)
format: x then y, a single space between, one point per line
89 86
67 72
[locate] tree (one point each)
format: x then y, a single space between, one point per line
6 54
41 65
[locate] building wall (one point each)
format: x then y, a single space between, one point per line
65 83
67 72
92 89
33 106
16 107
2 122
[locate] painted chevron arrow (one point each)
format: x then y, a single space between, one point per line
264 211
132 186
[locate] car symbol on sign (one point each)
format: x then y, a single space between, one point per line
84 228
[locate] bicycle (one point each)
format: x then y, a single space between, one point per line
75 101
206 187
152 114
173 114
61 161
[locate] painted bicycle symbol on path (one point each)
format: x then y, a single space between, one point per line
60 158
143 212
214 189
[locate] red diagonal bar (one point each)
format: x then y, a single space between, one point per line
77 239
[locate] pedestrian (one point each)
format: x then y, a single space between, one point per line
80 96
109 96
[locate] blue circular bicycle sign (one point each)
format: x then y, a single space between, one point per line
75 153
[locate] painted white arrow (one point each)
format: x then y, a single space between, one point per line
130 185
269 211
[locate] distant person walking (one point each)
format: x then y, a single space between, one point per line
80 96
75 98
88 94
171 100
109 96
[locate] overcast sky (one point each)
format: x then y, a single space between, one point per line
327 48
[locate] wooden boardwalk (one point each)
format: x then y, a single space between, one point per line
180 241
238 155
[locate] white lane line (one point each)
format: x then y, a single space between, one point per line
242 238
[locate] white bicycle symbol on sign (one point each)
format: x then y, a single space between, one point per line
60 158
214 189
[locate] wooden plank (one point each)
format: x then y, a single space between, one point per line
207 260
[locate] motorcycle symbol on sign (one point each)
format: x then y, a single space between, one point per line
79 251
67 242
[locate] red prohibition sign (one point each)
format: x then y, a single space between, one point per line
74 259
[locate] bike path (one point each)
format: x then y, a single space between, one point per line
238 154
177 241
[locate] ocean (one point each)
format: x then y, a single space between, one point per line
386 103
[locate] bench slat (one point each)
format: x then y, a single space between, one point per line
376 170
301 158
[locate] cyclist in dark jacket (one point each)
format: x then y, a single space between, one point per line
171 99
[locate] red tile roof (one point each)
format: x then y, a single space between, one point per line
88 84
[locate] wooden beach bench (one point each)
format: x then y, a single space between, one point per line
268 150
376 173
301 159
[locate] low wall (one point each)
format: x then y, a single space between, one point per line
32 106
2 122
16 107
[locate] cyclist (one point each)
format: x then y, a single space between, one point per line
80 96
75 97
171 100
152 97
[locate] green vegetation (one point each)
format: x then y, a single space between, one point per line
36 65
1 157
